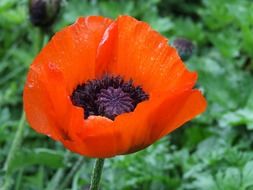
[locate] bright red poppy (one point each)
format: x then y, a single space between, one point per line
106 88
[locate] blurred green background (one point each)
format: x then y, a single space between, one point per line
212 152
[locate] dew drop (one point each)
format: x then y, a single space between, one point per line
30 84
53 67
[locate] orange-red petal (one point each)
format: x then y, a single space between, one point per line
67 60
98 138
140 53
94 46
155 118
74 49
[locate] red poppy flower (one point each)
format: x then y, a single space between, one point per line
105 88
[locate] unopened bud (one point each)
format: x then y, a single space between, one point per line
184 47
43 12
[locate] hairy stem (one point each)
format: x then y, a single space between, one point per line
96 175
14 147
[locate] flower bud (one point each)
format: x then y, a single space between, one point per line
184 47
43 12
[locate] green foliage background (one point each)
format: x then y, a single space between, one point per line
212 152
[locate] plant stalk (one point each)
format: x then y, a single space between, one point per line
96 174
19 133
72 172
14 147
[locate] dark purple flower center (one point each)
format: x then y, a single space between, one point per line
109 96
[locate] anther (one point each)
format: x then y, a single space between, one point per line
109 96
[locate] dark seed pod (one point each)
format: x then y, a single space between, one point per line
184 47
43 12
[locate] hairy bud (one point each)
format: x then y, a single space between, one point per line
184 47
43 12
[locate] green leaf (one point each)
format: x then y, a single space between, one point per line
37 180
39 156
6 4
189 29
227 42
230 179
247 175
226 87
162 24
241 116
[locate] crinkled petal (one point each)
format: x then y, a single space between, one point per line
66 61
140 53
155 118
94 46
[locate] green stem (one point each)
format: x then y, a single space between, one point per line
16 143
14 147
39 42
19 133
70 175
19 179
96 175
57 178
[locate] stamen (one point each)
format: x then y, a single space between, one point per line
110 96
